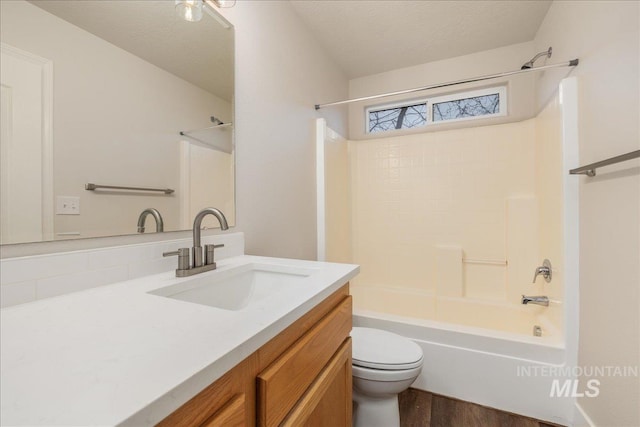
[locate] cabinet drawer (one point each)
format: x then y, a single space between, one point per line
328 401
231 415
282 384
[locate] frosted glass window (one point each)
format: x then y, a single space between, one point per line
467 107
401 117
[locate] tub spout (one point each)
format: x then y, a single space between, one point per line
538 300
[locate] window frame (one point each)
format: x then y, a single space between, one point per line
430 101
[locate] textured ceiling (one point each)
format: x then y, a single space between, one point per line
200 52
369 37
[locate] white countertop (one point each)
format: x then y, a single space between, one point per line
118 355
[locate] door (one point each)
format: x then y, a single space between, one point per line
26 200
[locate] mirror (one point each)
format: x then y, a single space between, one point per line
98 92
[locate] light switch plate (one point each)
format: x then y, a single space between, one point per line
67 205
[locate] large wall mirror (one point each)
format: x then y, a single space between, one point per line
98 92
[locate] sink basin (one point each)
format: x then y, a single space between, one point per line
238 287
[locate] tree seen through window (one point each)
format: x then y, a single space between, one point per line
403 117
466 107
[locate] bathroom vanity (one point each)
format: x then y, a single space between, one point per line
300 377
258 341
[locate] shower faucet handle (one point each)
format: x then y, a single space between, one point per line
545 270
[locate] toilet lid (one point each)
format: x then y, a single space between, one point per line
377 349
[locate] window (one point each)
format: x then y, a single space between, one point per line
455 107
469 105
400 117
466 107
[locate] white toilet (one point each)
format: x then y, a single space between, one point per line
384 364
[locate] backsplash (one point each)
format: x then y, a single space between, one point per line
37 277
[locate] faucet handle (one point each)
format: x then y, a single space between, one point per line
183 257
209 253
545 270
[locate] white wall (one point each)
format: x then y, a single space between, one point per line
605 36
281 73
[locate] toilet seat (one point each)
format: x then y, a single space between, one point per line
384 351
383 375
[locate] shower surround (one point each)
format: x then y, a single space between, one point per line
451 225
448 228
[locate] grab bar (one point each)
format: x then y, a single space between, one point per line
92 187
484 261
590 170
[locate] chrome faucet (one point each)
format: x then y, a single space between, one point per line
545 270
538 300
199 263
155 214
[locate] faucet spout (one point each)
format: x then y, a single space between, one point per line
197 225
538 300
155 214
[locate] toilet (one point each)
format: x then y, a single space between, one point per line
384 364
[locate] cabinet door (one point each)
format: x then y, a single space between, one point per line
327 402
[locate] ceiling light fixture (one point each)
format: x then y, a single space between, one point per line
191 10
222 3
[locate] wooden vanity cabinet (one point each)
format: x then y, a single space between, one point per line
300 377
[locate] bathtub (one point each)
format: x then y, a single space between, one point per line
498 369
505 316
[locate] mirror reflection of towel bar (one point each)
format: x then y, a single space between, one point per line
221 125
92 187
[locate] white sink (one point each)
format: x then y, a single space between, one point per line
238 287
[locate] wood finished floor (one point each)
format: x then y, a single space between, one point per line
423 409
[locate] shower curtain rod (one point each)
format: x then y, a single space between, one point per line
571 63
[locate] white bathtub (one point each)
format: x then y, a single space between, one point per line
504 316
483 366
